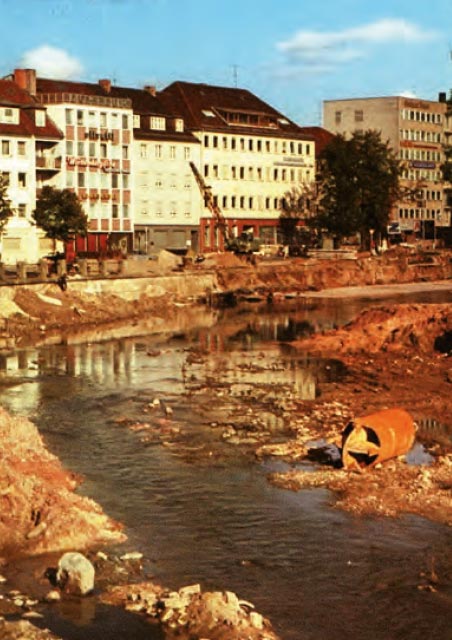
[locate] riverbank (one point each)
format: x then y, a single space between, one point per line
31 314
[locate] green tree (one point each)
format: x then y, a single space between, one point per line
59 213
297 207
5 203
358 181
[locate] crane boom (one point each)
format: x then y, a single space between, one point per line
210 203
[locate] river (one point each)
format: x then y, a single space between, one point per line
199 507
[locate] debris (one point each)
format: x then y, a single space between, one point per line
380 436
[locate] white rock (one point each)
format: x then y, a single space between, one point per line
75 573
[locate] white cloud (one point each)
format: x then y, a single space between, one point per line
51 62
332 48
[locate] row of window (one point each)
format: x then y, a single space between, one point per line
420 154
12 147
97 150
419 135
19 179
97 119
422 116
158 181
98 180
171 209
173 152
422 174
420 214
267 174
260 146
108 210
249 203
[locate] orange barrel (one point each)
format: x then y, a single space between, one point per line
380 436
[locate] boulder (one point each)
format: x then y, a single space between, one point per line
75 573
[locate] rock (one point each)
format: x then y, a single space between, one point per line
75 573
53 596
133 555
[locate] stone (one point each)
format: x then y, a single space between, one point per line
75 573
53 596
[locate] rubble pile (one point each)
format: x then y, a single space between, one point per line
39 511
192 613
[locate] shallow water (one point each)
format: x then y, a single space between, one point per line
316 572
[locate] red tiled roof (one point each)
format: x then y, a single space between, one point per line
193 100
12 95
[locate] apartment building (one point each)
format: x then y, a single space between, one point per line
415 131
93 157
27 136
250 156
167 201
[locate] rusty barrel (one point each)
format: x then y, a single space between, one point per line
371 439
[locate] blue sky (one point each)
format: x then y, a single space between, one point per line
292 53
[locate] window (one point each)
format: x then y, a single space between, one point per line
114 180
338 117
115 211
80 148
158 181
125 121
173 209
136 121
187 153
125 152
143 151
80 117
250 144
92 149
103 119
125 210
9 116
179 124
103 150
69 116
187 181
125 180
215 142
359 115
21 148
69 147
22 180
206 141
158 150
80 179
6 148
5 177
158 123
22 210
172 152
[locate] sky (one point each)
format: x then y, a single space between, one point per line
293 54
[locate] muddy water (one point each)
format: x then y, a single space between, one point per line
199 507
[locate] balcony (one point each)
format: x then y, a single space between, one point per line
48 163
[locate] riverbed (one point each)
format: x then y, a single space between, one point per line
200 507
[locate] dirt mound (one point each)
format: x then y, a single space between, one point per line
39 511
420 327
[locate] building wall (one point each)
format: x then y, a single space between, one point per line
415 130
96 162
168 203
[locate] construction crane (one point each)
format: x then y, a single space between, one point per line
211 204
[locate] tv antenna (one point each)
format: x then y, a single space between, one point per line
235 74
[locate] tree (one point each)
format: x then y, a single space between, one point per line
59 213
358 181
297 206
5 203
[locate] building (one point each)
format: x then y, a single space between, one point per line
167 201
28 137
415 131
250 156
93 157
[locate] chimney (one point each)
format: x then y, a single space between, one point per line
150 88
105 84
442 96
26 79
